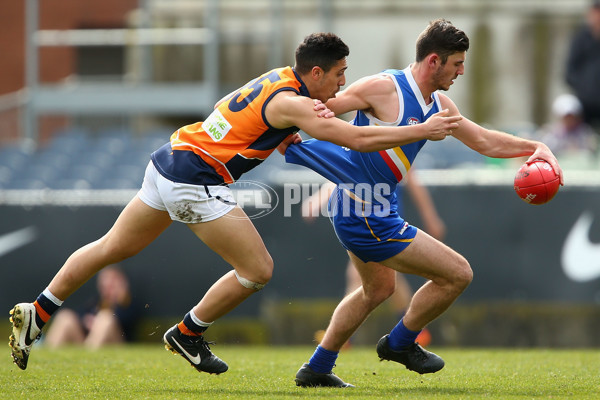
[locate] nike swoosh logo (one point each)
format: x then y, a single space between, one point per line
580 257
194 359
28 340
12 241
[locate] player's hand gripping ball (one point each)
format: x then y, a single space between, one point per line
536 182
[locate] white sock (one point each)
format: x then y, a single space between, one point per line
198 321
52 297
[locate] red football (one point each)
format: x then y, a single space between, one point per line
536 183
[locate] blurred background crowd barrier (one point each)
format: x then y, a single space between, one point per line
90 89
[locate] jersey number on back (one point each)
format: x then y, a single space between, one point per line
255 88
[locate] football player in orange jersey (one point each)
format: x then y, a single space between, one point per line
187 181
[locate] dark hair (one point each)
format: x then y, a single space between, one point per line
321 50
442 38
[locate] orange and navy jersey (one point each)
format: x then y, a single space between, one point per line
235 137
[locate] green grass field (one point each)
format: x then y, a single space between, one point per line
150 372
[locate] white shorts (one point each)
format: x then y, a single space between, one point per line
184 202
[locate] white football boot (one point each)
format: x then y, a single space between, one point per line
24 332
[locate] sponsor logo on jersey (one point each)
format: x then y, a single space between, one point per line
216 126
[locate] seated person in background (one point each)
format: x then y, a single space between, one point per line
110 319
568 134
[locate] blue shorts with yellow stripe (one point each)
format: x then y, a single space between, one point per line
373 231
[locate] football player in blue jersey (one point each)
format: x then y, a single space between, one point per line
363 207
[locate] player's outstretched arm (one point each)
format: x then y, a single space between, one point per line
497 144
322 112
287 109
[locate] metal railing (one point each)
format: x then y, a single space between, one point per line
131 97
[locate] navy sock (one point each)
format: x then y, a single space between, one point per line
322 361
44 310
189 327
401 337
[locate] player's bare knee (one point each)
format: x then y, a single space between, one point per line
463 276
380 297
264 271
385 291
378 293
256 273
